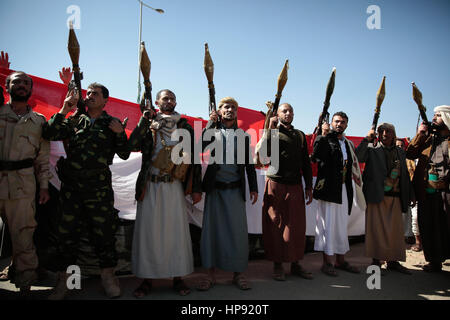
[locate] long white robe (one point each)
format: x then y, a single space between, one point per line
331 226
331 222
162 246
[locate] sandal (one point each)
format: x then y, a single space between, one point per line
4 275
143 290
181 287
205 284
241 282
298 270
278 275
329 270
347 267
396 266
7 274
379 265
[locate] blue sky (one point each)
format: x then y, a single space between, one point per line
249 41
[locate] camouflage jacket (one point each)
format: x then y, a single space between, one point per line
90 146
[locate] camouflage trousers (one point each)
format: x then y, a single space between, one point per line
91 208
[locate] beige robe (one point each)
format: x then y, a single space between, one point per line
384 230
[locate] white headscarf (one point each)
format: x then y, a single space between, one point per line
357 178
445 114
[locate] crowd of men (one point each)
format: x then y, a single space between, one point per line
161 245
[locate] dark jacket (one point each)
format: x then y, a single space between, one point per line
420 148
327 152
141 139
293 158
209 178
375 173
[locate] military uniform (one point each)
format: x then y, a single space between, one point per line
86 191
23 160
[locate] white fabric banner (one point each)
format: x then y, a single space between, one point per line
125 172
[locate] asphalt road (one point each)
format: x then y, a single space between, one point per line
393 286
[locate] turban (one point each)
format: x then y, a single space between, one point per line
229 100
388 126
445 114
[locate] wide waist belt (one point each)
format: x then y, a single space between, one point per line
164 178
431 191
16 165
229 185
392 194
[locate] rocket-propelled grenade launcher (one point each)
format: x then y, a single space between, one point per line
326 105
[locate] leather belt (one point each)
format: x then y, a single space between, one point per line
164 178
432 191
16 165
229 185
392 194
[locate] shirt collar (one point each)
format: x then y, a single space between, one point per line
221 126
284 129
29 115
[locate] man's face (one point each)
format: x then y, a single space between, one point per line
437 121
95 99
339 124
228 111
166 102
400 144
20 87
386 136
285 114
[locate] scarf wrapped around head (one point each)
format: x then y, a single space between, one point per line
229 100
445 114
388 126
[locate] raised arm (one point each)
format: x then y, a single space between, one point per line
59 128
320 149
136 140
120 139
362 151
306 164
420 142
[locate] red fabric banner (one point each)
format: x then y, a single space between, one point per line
48 97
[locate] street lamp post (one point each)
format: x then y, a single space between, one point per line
140 40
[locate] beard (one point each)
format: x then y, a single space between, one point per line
338 130
228 116
387 141
167 108
436 126
285 122
17 97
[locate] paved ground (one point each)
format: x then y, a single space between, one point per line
418 286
